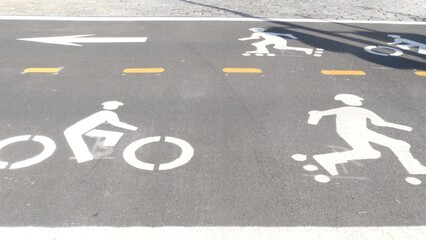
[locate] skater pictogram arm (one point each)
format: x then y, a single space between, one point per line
315 116
398 126
286 35
253 37
378 121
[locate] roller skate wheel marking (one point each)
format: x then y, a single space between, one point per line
318 52
413 181
310 168
322 178
299 157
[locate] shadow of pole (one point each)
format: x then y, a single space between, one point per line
241 14
353 42
341 42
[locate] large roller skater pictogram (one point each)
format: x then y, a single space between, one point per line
351 126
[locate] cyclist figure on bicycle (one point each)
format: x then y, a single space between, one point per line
407 44
74 134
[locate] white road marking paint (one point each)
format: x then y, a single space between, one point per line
187 153
48 144
271 39
318 52
341 177
73 40
393 51
107 150
351 126
413 181
3 164
322 178
129 153
299 157
214 233
49 149
201 19
400 42
74 134
98 155
310 168
407 44
111 137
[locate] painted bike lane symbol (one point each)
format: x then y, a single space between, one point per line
277 41
74 136
49 148
351 126
399 43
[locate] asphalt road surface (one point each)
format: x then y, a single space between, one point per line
191 85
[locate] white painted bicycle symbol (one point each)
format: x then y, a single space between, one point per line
74 136
399 43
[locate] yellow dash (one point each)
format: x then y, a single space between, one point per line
143 70
242 70
343 72
421 73
42 70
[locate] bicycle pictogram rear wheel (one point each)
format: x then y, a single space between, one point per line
48 144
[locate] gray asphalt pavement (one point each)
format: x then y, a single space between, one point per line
244 127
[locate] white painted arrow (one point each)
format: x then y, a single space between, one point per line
73 40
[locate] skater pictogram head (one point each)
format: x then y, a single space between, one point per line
257 29
111 105
349 99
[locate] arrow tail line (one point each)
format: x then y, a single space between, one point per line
74 40
106 40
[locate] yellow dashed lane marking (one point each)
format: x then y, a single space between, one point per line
343 72
242 70
42 70
421 73
143 70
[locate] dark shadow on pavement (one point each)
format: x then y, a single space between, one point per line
349 41
241 14
354 40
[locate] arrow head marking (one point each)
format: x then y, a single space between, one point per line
60 40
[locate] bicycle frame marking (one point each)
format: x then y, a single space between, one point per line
401 43
104 139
